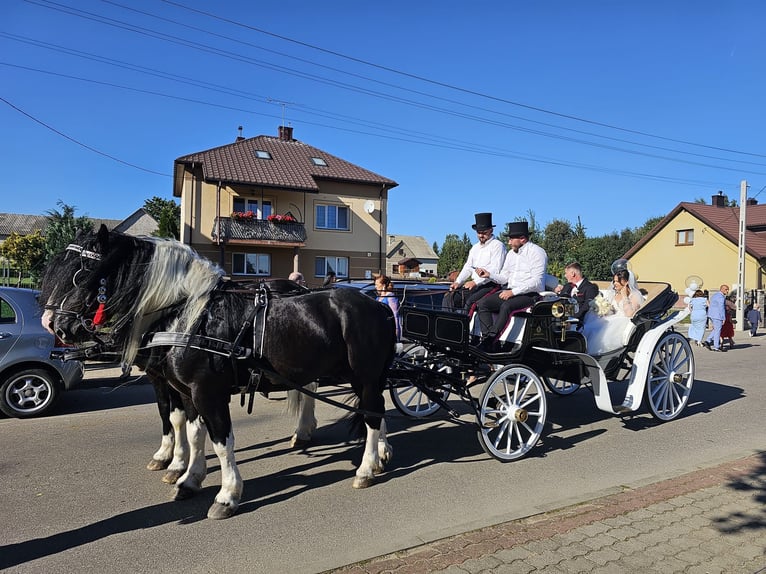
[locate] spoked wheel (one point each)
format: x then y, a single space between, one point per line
560 386
408 398
671 376
512 412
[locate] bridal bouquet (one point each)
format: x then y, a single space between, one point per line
601 306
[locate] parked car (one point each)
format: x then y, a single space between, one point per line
30 380
409 292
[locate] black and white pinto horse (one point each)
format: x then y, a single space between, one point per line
138 286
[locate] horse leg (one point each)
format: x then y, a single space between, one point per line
162 458
302 405
372 400
213 406
385 450
180 461
191 481
173 453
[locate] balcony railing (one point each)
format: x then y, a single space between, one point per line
258 230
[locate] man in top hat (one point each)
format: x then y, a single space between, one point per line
489 254
522 278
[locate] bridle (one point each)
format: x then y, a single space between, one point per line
89 324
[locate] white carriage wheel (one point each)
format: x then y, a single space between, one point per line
512 410
560 386
408 398
671 376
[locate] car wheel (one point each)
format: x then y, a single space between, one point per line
28 393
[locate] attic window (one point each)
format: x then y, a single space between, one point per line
262 154
318 161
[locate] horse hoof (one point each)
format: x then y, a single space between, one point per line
363 481
183 493
155 464
296 442
221 511
172 476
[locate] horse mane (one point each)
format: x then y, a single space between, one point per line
173 276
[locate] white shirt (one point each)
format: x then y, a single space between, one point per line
489 255
524 270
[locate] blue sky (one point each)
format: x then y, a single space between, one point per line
610 111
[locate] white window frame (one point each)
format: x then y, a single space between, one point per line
325 263
247 204
327 216
260 262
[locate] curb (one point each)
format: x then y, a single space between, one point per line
476 544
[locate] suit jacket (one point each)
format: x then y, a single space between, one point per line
717 308
586 292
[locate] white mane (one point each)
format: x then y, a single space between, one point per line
174 275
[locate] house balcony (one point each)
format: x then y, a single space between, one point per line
259 232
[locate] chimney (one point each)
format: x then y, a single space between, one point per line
286 133
240 137
751 201
719 200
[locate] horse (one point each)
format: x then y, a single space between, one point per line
174 408
133 285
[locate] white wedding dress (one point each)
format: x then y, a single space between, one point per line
610 332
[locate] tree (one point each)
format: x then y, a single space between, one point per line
453 254
168 215
62 228
435 247
26 252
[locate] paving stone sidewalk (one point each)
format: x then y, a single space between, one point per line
708 521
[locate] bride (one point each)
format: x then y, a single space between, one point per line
605 326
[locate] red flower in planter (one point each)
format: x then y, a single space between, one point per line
243 215
277 218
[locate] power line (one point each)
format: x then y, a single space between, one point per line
452 86
49 4
79 143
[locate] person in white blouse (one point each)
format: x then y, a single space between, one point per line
488 253
522 277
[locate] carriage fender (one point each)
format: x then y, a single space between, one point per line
642 360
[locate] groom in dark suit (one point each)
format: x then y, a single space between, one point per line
578 288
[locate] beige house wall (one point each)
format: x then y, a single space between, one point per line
363 244
711 257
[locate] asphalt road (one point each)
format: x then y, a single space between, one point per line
75 495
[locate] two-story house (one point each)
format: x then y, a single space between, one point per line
266 206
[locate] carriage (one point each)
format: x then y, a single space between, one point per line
542 351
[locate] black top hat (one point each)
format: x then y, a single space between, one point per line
518 229
483 222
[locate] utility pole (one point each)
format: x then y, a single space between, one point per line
741 253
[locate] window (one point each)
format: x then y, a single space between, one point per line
685 237
261 154
7 314
323 265
318 161
250 264
242 204
332 217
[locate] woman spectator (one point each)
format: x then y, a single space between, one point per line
698 308
385 289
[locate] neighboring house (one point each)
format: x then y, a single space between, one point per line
232 195
137 223
408 255
703 240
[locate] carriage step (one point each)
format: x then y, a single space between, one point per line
490 425
621 409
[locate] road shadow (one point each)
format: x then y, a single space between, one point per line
97 397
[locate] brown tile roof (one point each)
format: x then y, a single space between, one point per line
724 220
290 165
21 224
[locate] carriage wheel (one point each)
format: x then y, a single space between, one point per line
408 398
671 376
512 411
560 386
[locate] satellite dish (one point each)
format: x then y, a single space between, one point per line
694 282
369 206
